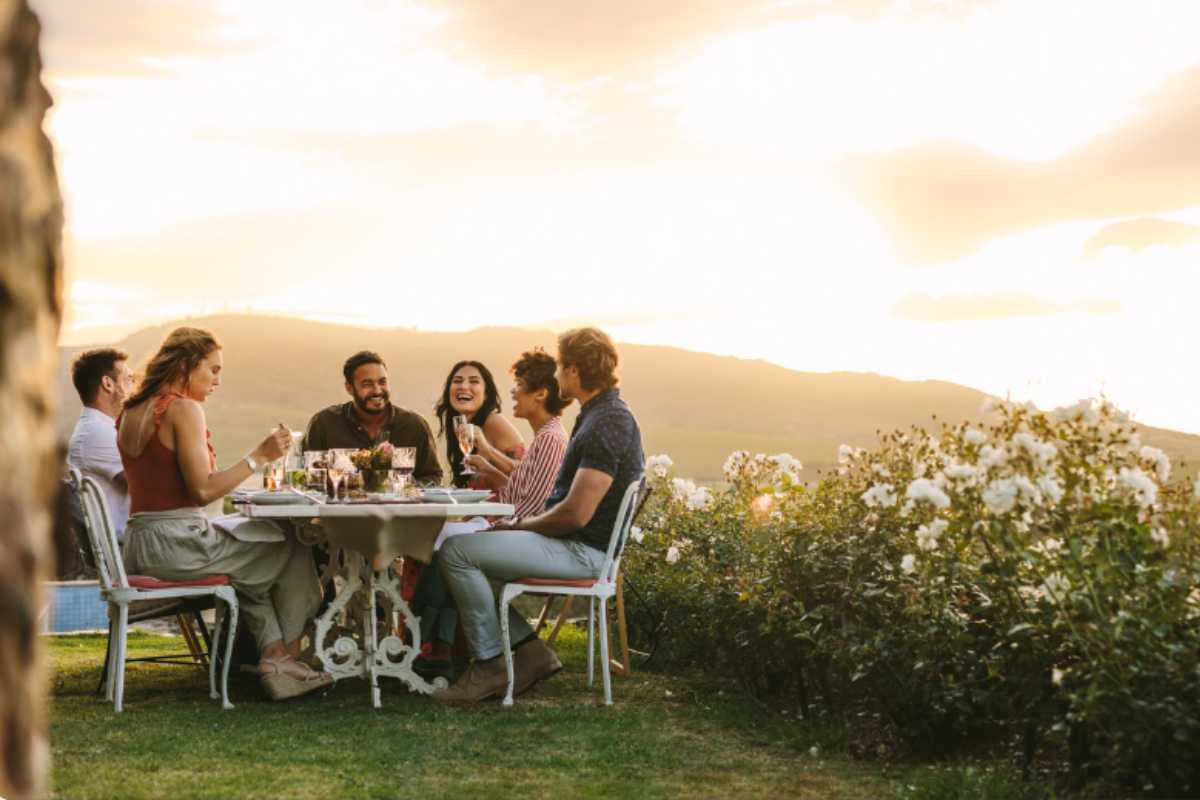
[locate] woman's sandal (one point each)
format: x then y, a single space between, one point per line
281 685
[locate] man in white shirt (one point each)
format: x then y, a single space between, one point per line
103 379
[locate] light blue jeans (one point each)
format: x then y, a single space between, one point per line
472 562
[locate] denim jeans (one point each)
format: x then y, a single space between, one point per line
471 562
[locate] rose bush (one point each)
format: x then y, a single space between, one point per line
1037 578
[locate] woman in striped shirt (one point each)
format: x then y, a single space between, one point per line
525 484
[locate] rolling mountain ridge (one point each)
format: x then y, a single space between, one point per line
696 407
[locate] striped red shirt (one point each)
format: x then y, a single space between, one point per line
531 481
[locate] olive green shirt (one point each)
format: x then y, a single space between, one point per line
339 426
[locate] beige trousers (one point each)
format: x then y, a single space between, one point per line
276 582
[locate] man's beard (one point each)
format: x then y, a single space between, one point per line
361 403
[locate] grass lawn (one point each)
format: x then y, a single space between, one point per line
664 737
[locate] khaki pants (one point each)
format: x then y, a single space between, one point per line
276 582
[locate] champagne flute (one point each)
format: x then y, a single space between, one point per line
465 432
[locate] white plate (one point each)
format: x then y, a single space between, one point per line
276 498
458 495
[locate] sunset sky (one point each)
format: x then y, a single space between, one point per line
1002 194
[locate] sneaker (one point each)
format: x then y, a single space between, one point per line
483 680
532 662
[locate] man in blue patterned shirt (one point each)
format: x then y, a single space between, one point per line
569 540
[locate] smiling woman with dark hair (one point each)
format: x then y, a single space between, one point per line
470 390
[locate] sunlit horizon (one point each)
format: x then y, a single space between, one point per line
966 191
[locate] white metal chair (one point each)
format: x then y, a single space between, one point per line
187 611
121 590
598 590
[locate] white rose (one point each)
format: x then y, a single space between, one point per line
881 494
658 465
1162 462
1000 495
927 490
1051 488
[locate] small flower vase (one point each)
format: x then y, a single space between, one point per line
375 480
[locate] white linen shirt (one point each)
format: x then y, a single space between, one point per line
93 451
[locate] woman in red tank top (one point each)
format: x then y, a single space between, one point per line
171 469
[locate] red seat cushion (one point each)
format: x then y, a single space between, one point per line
146 582
583 583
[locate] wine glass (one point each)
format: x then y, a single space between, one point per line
315 462
404 461
339 467
293 462
465 432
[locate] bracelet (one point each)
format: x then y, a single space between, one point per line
250 462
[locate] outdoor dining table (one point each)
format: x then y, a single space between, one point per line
369 537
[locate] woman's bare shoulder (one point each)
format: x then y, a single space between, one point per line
499 430
184 410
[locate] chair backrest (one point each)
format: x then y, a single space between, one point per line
73 549
616 545
100 532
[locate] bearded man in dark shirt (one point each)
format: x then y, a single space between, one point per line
369 419
569 540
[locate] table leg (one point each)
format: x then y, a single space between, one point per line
393 657
344 658
372 657
372 637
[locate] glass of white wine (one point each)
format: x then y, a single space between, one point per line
465 432
339 466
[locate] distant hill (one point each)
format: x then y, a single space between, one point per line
697 407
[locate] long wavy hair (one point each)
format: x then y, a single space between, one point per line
445 413
179 354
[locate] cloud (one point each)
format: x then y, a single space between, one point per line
942 201
484 149
1138 234
615 320
578 41
958 308
124 38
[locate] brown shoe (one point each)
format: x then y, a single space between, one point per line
533 662
482 680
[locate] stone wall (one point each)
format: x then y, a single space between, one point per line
30 468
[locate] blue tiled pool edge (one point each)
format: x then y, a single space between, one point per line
74 606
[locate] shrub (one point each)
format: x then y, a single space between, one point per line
1036 578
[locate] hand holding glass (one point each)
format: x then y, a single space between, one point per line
465 432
